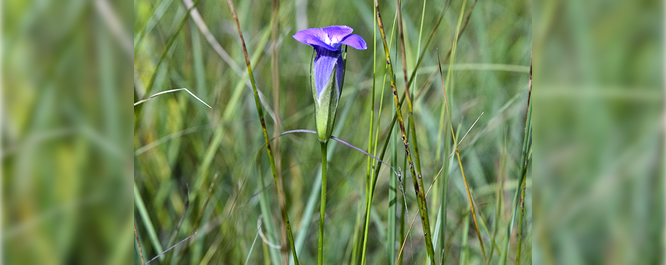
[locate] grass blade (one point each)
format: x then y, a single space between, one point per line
170 248
251 247
280 189
149 87
169 91
138 202
469 195
526 157
464 250
138 242
416 178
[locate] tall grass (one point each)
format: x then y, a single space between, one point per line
181 144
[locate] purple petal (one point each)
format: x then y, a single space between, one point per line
314 37
307 34
339 73
355 41
320 43
324 63
337 33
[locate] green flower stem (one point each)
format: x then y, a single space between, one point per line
322 209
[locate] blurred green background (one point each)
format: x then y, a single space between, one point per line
599 126
181 145
66 132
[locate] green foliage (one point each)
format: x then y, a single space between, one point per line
183 144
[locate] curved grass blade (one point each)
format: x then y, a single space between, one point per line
169 91
167 250
149 87
339 141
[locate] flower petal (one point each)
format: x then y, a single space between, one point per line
319 43
324 63
337 33
339 73
355 41
307 34
314 37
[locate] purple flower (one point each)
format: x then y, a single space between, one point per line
327 70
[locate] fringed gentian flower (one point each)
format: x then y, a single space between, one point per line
327 70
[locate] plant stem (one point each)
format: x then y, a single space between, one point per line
526 158
322 209
275 75
260 113
393 198
370 188
520 222
418 189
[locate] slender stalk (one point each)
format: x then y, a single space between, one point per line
465 248
444 184
145 218
275 74
425 222
312 198
372 180
322 208
462 171
395 117
139 244
402 219
273 255
414 219
520 223
393 180
499 196
410 116
368 174
461 27
372 110
411 92
412 127
260 113
393 190
418 46
521 182
411 79
355 243
526 157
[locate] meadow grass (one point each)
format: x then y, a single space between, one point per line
204 170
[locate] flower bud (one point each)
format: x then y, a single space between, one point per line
327 70
326 75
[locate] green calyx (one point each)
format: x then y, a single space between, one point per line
325 107
326 104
